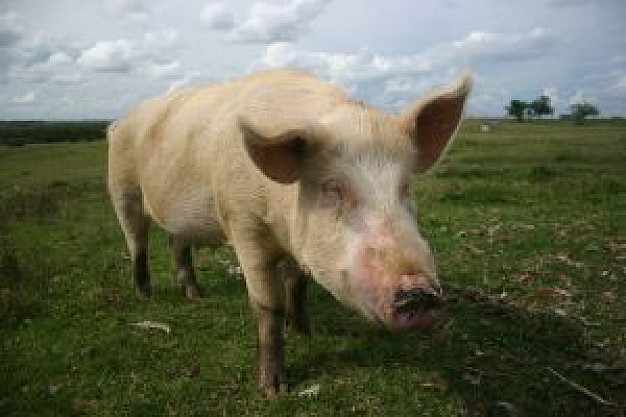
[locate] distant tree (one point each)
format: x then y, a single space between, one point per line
541 107
581 110
517 109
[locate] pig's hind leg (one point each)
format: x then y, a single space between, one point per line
135 225
184 276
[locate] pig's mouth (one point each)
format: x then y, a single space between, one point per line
414 309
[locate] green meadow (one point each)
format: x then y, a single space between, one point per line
528 223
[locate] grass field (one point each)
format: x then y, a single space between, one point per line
528 222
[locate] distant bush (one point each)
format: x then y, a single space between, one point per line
19 133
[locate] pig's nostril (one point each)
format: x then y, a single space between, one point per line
414 300
404 297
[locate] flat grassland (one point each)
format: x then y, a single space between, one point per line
528 222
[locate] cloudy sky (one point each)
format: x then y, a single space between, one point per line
74 59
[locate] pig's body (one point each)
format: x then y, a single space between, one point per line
186 157
284 166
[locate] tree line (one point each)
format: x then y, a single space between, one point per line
541 106
18 133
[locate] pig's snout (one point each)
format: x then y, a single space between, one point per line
415 300
417 305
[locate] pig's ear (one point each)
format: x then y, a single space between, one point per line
432 122
278 149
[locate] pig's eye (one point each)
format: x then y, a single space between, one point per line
333 192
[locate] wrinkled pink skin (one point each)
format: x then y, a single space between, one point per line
297 178
386 263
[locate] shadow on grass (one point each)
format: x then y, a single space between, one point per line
23 286
495 356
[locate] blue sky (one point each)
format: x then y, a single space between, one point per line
72 59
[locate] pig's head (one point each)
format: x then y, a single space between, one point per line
354 228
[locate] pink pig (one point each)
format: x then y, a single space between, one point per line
286 168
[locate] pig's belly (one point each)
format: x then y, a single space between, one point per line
189 215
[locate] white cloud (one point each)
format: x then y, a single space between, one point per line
265 23
620 84
387 81
499 47
108 56
216 17
398 85
382 52
470 50
580 96
60 68
11 29
164 70
26 98
58 59
338 66
28 58
152 53
36 48
552 94
182 82
487 99
134 10
577 97
157 42
392 81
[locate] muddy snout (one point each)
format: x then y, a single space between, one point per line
415 300
417 305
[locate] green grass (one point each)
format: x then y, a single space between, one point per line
528 222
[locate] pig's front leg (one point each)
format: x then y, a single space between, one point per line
295 298
265 291
270 350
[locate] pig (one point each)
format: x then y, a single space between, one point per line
291 172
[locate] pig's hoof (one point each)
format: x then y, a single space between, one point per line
274 384
301 326
272 392
192 292
143 291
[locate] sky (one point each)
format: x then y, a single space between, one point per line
76 59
